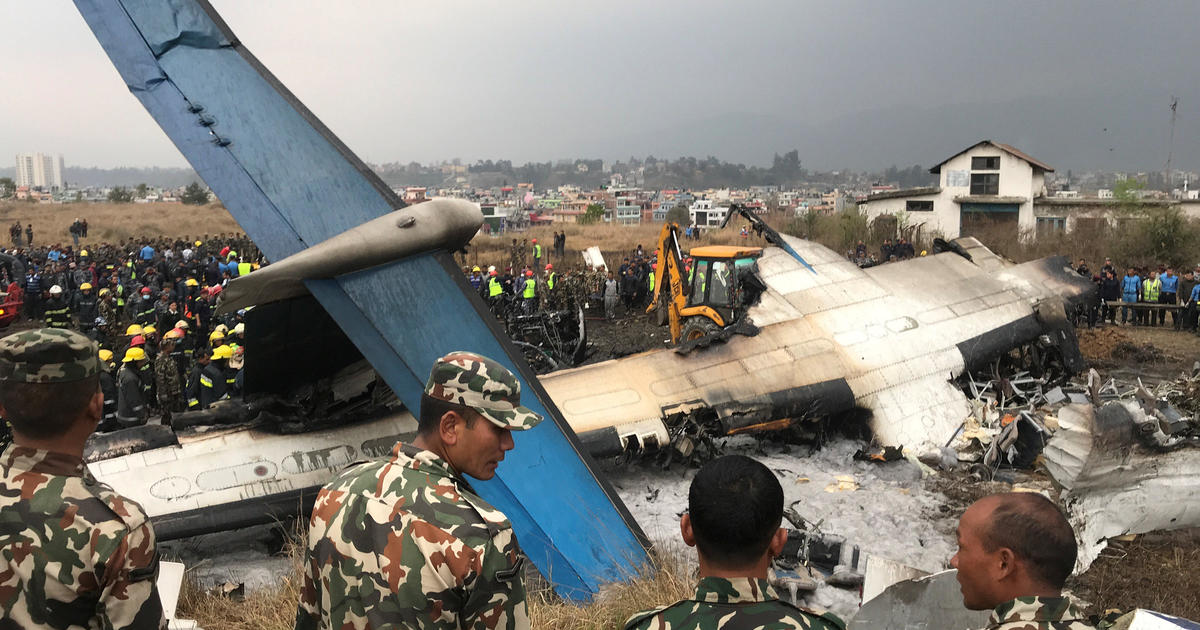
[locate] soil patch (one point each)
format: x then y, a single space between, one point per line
1155 571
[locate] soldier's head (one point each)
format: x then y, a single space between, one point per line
1012 545
50 385
735 507
469 410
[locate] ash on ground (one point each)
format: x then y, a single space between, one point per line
890 512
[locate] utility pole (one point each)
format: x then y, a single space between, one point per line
1171 144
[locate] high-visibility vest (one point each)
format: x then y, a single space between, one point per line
537 251
651 280
530 288
494 288
243 269
550 280
1151 289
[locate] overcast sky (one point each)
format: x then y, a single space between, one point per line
523 80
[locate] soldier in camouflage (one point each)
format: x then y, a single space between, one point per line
405 542
735 508
168 384
1015 552
73 553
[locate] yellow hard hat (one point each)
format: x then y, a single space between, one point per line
106 355
134 329
475 268
222 352
83 253
134 354
104 292
85 286
174 333
923 252
148 330
182 324
221 328
191 282
198 243
216 334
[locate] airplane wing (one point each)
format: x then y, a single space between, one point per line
290 183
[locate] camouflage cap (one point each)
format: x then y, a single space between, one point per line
47 355
466 378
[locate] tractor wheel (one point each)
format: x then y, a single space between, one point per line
696 327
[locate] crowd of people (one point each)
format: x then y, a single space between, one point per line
1143 295
149 306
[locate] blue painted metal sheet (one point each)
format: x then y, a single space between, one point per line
291 183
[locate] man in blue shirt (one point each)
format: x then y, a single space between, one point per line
1169 295
147 253
1131 290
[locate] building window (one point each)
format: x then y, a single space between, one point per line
1051 226
985 163
914 205
985 183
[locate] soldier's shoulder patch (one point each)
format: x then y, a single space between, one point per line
639 617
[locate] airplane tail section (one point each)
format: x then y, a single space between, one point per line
291 184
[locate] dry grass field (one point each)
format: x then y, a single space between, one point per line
108 222
275 609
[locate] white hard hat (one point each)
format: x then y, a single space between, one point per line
492 268
55 290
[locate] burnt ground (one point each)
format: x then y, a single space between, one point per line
631 332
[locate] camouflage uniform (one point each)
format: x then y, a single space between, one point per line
1038 613
168 384
732 604
406 542
73 553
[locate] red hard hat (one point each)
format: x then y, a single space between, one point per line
535 240
528 273
137 340
145 290
549 266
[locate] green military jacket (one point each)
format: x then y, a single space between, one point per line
73 553
406 543
1038 613
733 604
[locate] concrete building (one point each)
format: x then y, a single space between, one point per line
987 183
40 170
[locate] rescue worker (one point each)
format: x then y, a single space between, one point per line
1151 290
735 509
73 553
167 384
58 312
1015 552
1131 290
550 294
143 309
206 384
386 540
1169 296
220 358
84 307
108 387
529 293
132 410
537 254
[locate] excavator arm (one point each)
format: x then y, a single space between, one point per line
670 273
761 228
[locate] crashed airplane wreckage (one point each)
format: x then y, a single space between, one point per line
827 337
